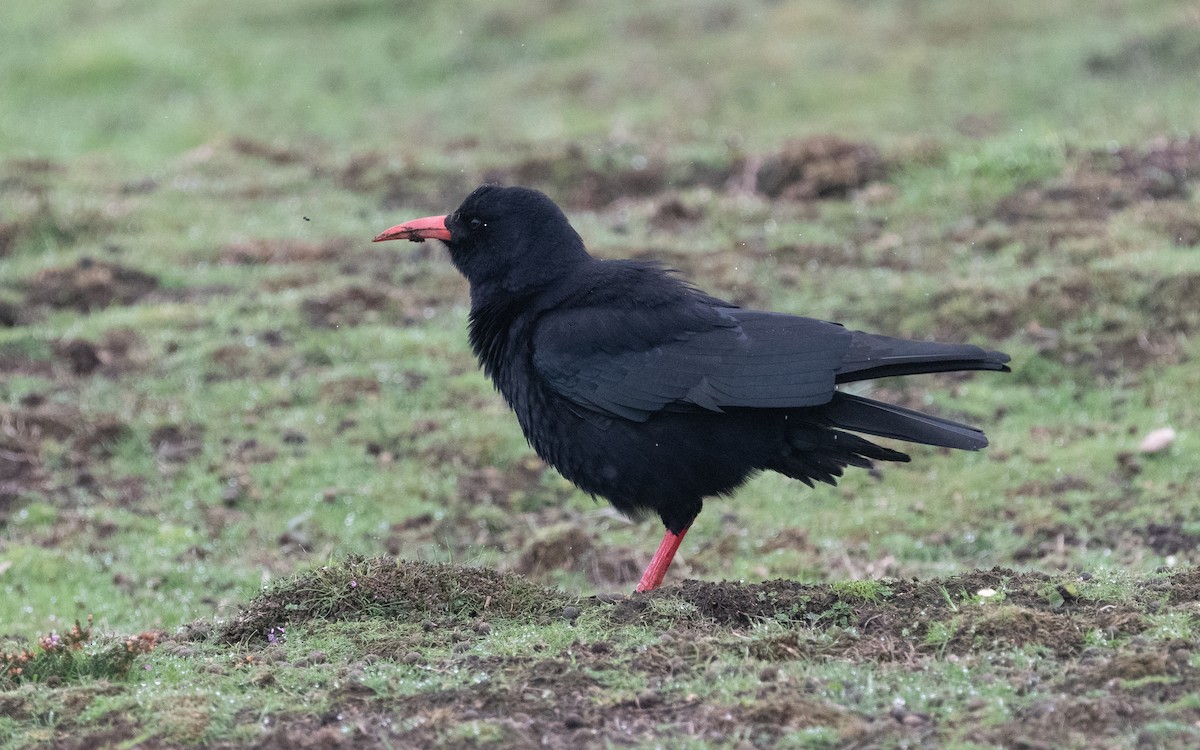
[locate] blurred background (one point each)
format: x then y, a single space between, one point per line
144 81
210 379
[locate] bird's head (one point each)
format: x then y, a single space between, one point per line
512 239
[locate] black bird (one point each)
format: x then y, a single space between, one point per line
644 390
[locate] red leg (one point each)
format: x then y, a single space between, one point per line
661 561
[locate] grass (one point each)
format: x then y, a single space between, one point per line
149 81
271 453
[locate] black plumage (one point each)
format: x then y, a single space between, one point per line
641 389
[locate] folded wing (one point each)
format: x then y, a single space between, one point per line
631 363
634 361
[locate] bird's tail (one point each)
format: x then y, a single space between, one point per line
872 356
820 454
858 414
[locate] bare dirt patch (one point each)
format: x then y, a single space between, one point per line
1172 302
1103 182
819 167
375 303
547 713
671 213
11 314
275 154
1096 318
350 389
119 351
1184 586
804 169
572 548
1011 626
39 221
585 182
269 251
88 285
1171 50
1030 611
519 508
1067 722
798 258
1081 201
1096 186
725 274
176 444
1178 220
14 360
1168 537
262 354
1159 169
9 232
488 485
29 433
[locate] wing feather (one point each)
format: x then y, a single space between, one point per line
634 362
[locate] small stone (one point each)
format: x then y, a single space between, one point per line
1158 440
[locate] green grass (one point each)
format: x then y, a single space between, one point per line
260 432
148 81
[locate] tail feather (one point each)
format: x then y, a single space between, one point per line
860 414
822 442
820 454
873 356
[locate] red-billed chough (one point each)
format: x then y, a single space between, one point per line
643 390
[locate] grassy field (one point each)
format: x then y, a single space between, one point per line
256 450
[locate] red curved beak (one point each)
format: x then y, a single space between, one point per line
417 230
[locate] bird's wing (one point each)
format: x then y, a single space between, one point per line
634 361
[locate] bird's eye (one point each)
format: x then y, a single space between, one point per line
475 223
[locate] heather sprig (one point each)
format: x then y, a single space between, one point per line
74 655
